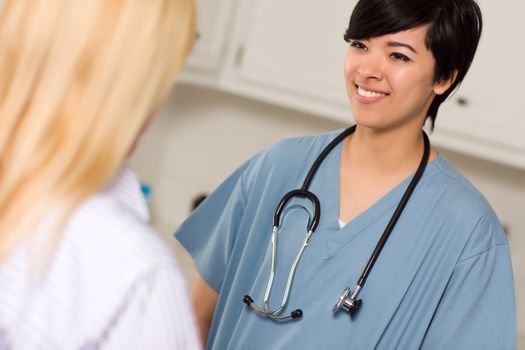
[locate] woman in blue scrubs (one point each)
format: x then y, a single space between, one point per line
443 279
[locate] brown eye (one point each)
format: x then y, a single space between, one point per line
399 57
358 45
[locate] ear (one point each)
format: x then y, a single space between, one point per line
441 86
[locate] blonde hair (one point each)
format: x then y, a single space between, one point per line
78 78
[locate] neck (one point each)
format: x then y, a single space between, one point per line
398 151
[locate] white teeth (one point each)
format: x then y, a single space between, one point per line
364 93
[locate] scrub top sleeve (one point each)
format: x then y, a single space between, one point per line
477 309
210 231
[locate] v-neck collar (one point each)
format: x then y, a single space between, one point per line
337 237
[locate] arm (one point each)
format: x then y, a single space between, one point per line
209 235
204 300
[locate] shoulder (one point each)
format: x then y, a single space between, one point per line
116 239
452 189
290 148
288 155
462 209
129 285
114 255
456 190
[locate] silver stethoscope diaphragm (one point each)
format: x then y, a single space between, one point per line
348 301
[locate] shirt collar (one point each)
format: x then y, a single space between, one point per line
125 189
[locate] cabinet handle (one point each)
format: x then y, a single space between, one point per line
239 56
462 101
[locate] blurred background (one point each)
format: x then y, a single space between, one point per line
264 70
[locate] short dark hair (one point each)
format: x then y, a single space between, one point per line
453 33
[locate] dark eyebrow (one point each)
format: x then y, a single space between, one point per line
398 44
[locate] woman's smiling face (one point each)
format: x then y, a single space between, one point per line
390 79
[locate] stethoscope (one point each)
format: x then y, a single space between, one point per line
348 300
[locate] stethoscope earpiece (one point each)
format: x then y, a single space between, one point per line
298 313
247 300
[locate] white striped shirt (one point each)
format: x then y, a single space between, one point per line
111 283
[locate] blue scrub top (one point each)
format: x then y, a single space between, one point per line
443 280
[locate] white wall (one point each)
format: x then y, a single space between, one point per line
200 136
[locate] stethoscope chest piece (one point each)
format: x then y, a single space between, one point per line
348 301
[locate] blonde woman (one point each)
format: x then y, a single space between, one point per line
79 267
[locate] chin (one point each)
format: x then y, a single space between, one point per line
368 119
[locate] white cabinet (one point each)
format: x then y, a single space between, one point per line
486 117
291 53
214 19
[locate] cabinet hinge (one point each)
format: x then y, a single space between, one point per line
239 55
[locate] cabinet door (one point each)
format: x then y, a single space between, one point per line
291 52
486 116
213 23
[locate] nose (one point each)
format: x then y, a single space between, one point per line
370 67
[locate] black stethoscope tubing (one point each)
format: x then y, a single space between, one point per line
397 213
